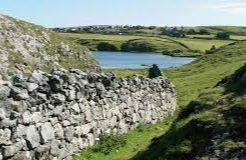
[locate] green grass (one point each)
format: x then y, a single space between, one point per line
137 140
234 37
203 44
159 44
218 115
212 36
190 80
233 30
101 36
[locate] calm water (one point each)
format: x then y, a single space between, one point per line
138 60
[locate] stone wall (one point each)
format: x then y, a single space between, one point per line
52 116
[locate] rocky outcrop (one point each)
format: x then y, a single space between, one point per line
25 47
52 116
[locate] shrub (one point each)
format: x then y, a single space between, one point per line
105 46
173 32
137 46
223 35
213 48
191 32
109 143
204 32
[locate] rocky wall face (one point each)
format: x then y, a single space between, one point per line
53 116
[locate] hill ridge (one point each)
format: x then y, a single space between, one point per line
25 47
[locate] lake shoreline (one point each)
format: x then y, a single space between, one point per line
188 55
138 60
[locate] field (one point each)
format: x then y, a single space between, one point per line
160 44
203 44
190 80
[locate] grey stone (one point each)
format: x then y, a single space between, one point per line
77 131
4 92
43 152
63 153
71 95
20 131
58 110
19 94
75 108
21 144
113 121
135 117
53 120
88 116
54 149
71 79
59 133
32 137
77 119
123 127
56 83
5 135
72 148
31 87
69 133
40 98
23 155
47 132
86 128
38 77
13 149
36 117
91 139
66 123
58 98
2 113
22 96
26 117
9 151
19 78
7 123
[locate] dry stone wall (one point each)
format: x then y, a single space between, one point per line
53 116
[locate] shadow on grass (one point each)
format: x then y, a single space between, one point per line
180 143
201 128
200 137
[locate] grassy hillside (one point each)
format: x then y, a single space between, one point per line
211 127
233 30
155 44
25 46
162 140
158 44
203 44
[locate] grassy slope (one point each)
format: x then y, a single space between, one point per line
191 80
81 57
176 46
203 44
195 43
213 126
158 44
234 30
43 57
